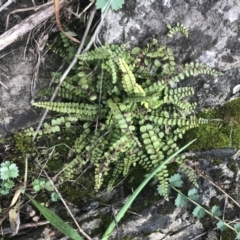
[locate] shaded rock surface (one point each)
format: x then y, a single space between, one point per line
213 39
17 67
16 75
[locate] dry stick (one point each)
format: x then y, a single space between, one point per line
93 38
26 25
24 10
28 40
84 10
66 206
8 230
72 64
220 189
40 44
5 5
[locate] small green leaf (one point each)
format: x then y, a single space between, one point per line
221 225
176 180
8 170
48 186
4 191
136 50
93 97
161 134
116 4
9 184
68 124
157 63
193 194
146 61
237 227
54 197
181 75
38 184
215 211
56 221
198 212
105 6
81 74
181 201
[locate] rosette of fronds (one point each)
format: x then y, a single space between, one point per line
134 114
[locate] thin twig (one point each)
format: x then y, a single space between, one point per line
27 25
94 36
72 64
84 10
220 189
5 5
2 56
28 40
40 44
24 10
23 226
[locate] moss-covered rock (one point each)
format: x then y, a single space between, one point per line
222 131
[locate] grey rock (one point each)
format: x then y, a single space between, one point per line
213 39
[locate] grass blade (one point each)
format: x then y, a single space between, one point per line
56 221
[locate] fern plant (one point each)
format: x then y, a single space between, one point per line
132 111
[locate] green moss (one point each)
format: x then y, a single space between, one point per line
23 144
222 131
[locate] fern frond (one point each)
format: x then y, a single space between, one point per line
124 118
187 170
128 80
156 87
49 128
118 169
179 28
152 144
82 111
163 178
101 52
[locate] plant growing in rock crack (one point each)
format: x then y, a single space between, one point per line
130 110
175 182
